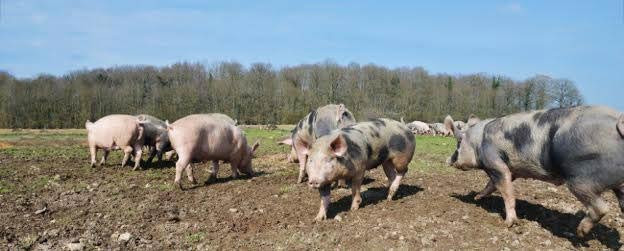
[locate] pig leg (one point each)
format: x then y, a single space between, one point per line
138 153
395 185
127 151
397 169
356 184
214 172
489 189
104 157
303 159
504 185
596 207
502 178
152 154
183 161
189 174
390 172
93 152
234 166
619 193
324 192
160 154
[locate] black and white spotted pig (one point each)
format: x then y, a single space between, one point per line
582 147
348 152
317 123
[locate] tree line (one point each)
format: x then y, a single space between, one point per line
261 94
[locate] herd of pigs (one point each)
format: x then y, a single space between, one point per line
581 147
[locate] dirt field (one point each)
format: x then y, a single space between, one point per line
51 199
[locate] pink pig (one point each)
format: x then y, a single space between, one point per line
114 132
201 137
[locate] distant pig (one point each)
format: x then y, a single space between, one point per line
581 147
440 130
348 152
155 136
317 123
420 128
201 137
113 132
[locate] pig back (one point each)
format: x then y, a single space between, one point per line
117 129
206 138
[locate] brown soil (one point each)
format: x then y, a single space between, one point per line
95 208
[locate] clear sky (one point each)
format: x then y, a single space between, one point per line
579 40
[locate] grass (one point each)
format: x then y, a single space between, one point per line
268 140
195 238
431 151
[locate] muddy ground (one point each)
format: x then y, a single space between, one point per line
51 199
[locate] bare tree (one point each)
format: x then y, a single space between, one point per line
564 93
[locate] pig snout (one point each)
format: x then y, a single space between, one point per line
316 183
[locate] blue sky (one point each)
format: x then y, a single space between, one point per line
579 40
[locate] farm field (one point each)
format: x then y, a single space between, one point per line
50 199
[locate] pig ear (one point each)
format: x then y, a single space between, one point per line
450 126
287 141
472 120
402 121
338 146
341 110
301 146
169 126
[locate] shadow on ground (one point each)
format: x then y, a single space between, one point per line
558 223
371 196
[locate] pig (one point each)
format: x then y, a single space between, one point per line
581 147
201 137
114 132
170 154
420 128
317 123
440 130
155 136
348 152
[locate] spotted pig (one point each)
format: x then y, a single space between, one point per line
348 152
581 147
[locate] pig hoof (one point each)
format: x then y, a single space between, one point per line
583 229
478 197
509 223
320 218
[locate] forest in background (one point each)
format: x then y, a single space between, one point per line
261 94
